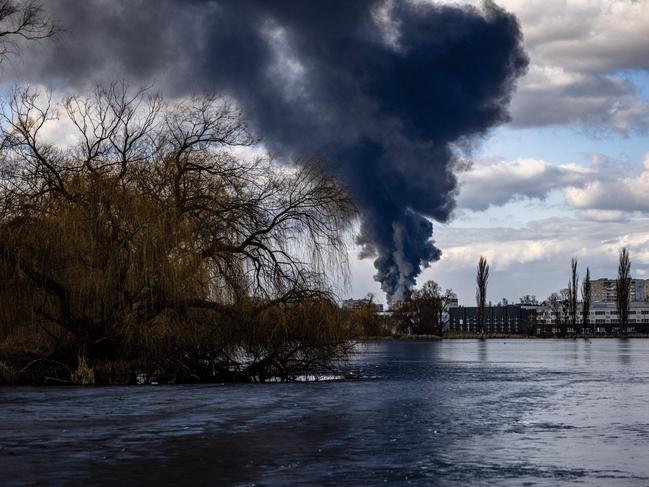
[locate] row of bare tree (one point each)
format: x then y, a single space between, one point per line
565 305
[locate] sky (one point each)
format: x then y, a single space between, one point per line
569 174
566 174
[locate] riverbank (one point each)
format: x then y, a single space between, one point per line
400 337
470 336
535 337
47 372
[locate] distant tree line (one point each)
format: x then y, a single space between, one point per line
564 305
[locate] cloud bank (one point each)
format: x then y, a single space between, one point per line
583 54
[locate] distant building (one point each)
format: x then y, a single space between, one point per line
603 290
356 304
602 316
542 319
508 319
517 319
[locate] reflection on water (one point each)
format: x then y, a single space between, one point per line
482 350
456 412
624 351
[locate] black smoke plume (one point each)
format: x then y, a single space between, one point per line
384 90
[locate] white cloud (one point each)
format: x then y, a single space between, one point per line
535 259
621 194
503 254
585 35
605 192
577 50
498 183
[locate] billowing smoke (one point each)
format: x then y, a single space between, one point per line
383 90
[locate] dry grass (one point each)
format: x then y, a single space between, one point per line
83 375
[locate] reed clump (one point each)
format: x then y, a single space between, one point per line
83 375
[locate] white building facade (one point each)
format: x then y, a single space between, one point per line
602 318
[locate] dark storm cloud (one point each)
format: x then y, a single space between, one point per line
383 92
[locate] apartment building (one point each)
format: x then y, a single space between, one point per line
603 290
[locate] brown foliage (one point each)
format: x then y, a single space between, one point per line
150 236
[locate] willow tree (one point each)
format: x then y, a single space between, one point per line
150 228
623 289
482 278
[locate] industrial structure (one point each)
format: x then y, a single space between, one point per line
505 319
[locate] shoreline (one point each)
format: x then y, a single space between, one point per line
407 338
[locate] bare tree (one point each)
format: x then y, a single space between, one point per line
419 314
586 299
22 20
559 304
573 292
556 311
623 289
447 298
564 299
482 278
528 299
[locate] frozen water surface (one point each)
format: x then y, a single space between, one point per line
454 412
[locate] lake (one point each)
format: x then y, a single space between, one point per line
452 412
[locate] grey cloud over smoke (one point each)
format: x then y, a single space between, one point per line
382 90
582 53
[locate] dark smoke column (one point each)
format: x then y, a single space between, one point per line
383 90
